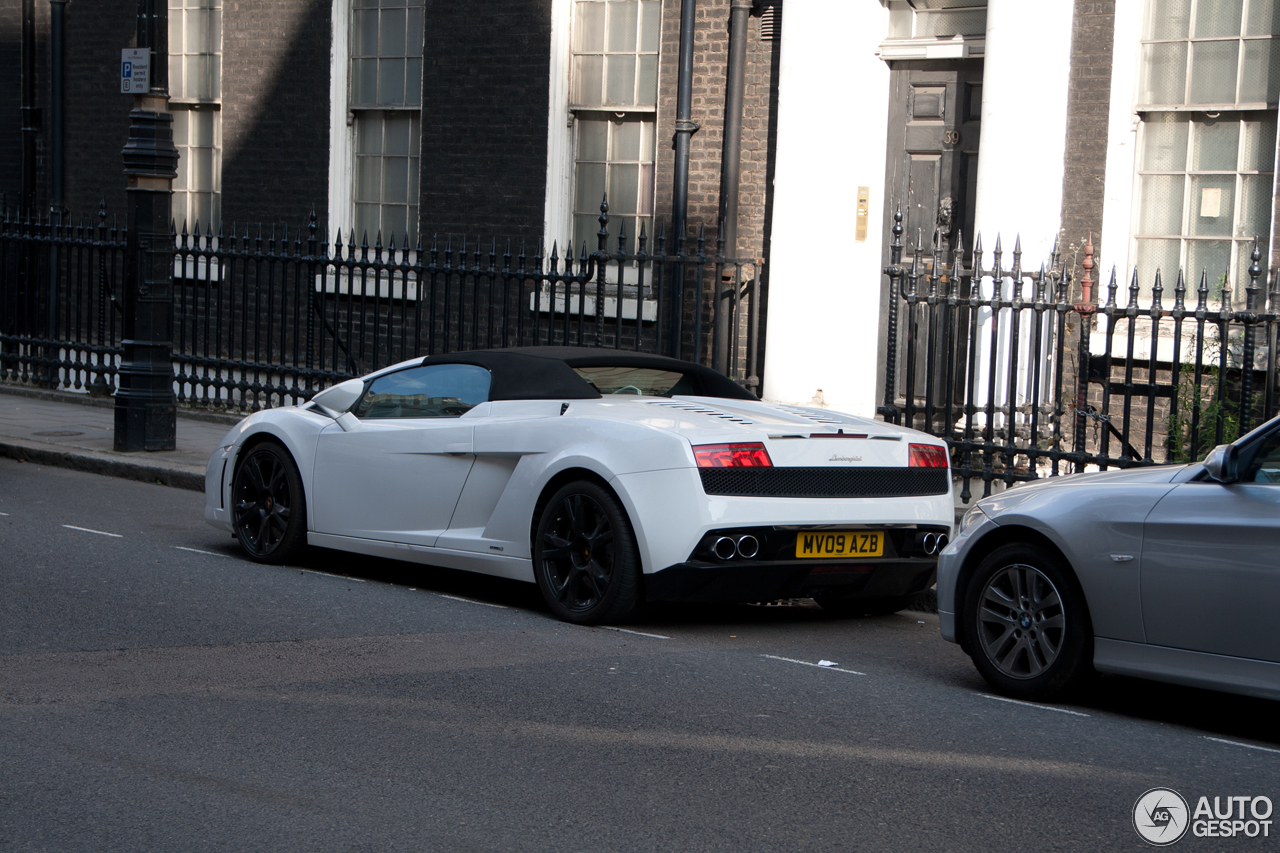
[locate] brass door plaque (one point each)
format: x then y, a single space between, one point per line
860 231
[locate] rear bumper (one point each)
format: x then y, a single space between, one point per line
740 582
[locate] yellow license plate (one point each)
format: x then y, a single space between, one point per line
826 544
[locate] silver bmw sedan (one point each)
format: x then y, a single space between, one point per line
1170 573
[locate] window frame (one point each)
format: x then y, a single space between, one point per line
1240 244
562 210
1190 40
1198 117
343 120
183 205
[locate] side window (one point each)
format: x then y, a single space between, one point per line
1265 465
433 391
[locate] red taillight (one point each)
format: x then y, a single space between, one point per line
732 456
928 456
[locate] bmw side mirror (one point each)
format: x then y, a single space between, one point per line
340 398
1222 463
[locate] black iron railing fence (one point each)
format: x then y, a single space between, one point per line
263 319
1023 382
61 302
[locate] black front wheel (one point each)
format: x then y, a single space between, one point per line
267 505
1026 624
585 557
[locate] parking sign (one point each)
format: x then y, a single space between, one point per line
135 71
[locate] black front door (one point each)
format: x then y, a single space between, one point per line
934 127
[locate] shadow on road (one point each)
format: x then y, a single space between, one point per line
1208 713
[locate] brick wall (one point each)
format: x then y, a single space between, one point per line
97 114
711 46
1088 103
759 133
11 100
275 110
484 118
275 106
484 114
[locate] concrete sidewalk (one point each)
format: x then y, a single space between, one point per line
77 431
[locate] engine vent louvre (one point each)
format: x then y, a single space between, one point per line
825 482
817 419
703 410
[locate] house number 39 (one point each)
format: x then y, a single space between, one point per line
951 137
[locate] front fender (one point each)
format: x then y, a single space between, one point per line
295 428
1098 529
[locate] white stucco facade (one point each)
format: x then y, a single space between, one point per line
834 94
824 286
1024 125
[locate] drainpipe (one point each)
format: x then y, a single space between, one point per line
57 8
685 128
57 17
30 112
730 165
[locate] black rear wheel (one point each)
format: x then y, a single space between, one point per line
585 557
268 508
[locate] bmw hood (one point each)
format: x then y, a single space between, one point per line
1004 501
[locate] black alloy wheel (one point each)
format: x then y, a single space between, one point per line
584 556
1026 624
268 508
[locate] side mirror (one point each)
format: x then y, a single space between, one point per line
1223 463
340 398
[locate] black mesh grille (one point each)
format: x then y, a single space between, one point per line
825 482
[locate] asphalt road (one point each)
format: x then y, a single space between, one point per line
157 692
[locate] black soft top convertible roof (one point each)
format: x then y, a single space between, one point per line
546 373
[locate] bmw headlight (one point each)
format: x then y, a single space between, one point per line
972 517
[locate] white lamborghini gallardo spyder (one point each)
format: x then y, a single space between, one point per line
608 478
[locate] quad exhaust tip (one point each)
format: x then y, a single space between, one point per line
728 547
934 542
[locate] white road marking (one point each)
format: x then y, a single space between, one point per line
806 663
629 631
198 551
1245 745
472 601
1032 705
4 513
91 530
328 575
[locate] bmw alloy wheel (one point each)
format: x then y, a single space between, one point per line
1025 622
1021 621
